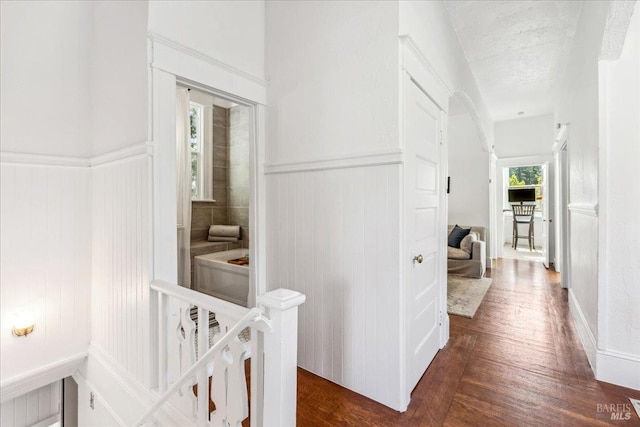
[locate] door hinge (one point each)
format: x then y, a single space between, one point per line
441 318
441 138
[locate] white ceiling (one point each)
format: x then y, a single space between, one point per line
517 50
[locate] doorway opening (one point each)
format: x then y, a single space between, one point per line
213 171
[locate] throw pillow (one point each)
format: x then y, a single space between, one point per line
456 236
467 242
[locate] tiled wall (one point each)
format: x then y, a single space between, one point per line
238 182
230 182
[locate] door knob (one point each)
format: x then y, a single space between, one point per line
418 259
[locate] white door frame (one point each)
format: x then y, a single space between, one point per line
423 75
173 63
561 156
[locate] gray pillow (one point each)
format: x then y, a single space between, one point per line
456 236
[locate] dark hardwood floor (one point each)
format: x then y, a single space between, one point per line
519 361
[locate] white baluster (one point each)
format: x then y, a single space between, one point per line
203 380
281 357
163 313
238 401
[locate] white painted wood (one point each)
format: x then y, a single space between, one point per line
373 158
139 149
280 353
334 236
38 378
618 368
589 209
32 408
180 60
546 201
120 255
422 134
45 218
37 159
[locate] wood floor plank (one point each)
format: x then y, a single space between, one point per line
519 361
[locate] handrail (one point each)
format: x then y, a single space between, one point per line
254 315
218 306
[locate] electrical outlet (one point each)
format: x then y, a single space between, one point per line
92 399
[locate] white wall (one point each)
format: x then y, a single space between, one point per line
333 233
45 245
34 407
528 136
333 69
578 105
469 171
119 75
429 25
44 75
620 201
232 32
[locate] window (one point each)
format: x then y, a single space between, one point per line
524 177
195 141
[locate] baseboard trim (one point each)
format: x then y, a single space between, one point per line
618 368
40 377
584 332
373 158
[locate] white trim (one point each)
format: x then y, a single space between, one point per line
618 368
589 209
372 158
135 396
80 379
131 151
44 375
584 332
177 59
47 422
423 73
44 160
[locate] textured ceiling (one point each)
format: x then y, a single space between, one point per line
517 50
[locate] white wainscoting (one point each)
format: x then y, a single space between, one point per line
334 236
120 266
33 408
44 265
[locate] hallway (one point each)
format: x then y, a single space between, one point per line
518 362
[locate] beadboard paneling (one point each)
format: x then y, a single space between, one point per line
120 296
334 236
45 258
31 408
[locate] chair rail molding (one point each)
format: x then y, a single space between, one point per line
43 160
589 209
370 158
24 383
133 150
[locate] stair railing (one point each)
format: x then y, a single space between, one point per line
202 343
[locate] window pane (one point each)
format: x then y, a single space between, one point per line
194 174
194 122
525 175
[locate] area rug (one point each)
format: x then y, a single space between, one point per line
464 295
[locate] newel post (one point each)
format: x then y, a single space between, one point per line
281 357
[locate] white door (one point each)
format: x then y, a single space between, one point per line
423 125
546 201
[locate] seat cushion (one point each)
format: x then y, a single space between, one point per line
456 235
457 253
